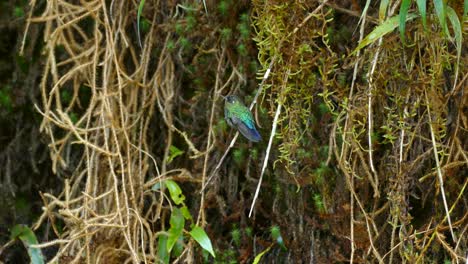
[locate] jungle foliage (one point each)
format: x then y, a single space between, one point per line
361 105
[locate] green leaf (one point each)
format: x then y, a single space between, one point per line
177 222
27 236
364 11
202 238
178 247
162 249
422 11
387 26
452 15
185 212
439 6
173 153
403 13
140 9
383 9
175 191
259 256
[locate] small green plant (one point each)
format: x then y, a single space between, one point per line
236 236
191 23
254 153
226 34
321 172
248 231
238 156
242 49
223 7
318 202
244 27
170 45
185 43
179 28
18 12
302 153
176 235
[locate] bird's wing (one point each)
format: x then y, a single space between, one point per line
250 132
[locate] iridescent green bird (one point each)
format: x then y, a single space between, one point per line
237 115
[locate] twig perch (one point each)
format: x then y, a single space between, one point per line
265 161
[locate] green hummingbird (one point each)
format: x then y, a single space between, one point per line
237 115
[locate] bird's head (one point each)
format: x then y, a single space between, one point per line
232 99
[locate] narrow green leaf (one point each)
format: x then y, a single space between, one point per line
162 249
383 9
364 11
175 191
140 9
27 236
439 6
387 26
452 15
202 238
422 11
204 4
259 256
403 13
177 222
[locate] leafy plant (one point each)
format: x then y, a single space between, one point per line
179 214
386 27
